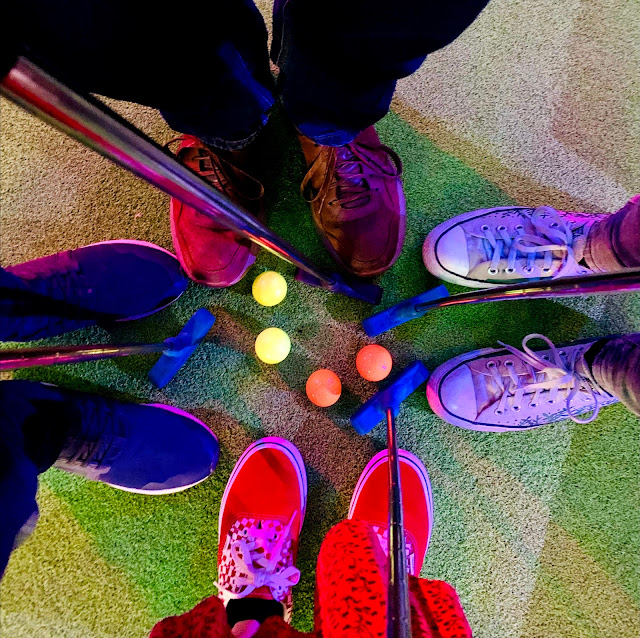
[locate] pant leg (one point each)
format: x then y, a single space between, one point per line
615 366
340 59
204 65
352 591
33 426
614 243
26 315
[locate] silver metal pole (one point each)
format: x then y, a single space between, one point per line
102 130
49 356
601 283
398 611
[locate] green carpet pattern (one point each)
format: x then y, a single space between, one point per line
538 531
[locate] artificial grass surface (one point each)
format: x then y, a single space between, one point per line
538 531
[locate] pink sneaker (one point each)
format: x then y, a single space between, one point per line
504 389
507 245
261 516
209 253
369 503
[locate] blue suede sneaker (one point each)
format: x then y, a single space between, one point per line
109 281
142 448
148 449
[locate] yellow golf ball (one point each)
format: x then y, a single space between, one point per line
269 288
273 345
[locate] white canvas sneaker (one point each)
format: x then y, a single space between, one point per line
507 245
504 389
261 515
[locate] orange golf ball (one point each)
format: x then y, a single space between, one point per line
323 388
374 362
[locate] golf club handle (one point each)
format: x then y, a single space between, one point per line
398 611
603 283
96 126
54 355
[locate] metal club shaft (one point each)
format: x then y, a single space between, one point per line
99 128
600 283
49 356
398 612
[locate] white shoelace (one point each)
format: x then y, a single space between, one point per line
547 374
383 539
552 236
249 555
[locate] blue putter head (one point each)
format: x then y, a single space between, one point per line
402 312
181 347
375 409
351 287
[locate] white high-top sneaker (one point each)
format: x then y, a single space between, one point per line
504 389
498 246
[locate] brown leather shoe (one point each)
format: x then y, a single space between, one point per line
357 201
209 253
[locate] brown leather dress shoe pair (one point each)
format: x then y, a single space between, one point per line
356 198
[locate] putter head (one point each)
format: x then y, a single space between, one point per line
181 347
391 396
402 312
351 287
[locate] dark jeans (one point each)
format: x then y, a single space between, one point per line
614 243
205 65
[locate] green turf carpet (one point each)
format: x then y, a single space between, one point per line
538 531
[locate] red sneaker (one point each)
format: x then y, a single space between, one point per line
261 516
370 504
209 253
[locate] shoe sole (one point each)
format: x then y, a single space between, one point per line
275 443
410 459
438 270
399 245
439 374
172 490
148 244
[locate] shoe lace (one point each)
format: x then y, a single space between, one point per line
547 377
383 539
216 169
349 169
98 435
257 554
552 234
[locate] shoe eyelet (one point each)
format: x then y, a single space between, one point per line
528 269
519 227
546 270
562 353
509 363
493 271
484 227
533 405
502 227
491 364
510 271
515 408
554 224
545 357
551 402
499 411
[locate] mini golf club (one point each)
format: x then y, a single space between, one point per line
175 351
602 283
386 404
98 127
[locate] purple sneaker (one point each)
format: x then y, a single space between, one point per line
108 281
